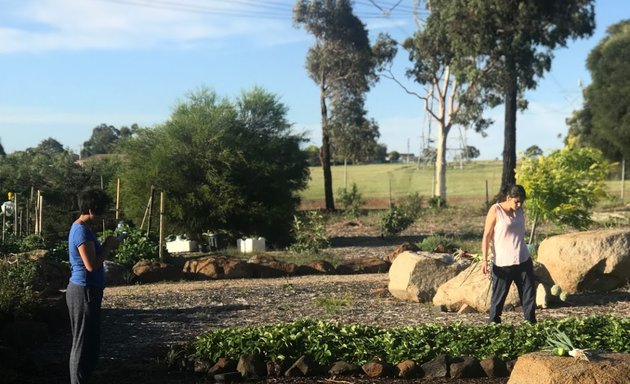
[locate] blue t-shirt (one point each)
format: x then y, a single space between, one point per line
80 234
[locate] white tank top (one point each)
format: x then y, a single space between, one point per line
508 245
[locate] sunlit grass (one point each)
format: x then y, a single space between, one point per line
473 184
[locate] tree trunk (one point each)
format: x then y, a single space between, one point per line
440 165
509 143
324 153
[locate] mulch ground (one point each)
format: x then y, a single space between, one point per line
142 322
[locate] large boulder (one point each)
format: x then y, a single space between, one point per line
472 288
416 276
587 261
151 271
265 266
544 368
363 265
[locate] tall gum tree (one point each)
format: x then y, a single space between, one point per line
448 99
510 44
340 62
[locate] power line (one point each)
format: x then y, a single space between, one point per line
257 9
265 10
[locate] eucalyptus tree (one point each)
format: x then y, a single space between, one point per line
449 98
354 137
509 45
604 121
341 62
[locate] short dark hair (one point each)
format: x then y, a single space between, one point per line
93 199
516 190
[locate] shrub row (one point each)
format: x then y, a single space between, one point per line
326 342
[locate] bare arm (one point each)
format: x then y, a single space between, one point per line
488 231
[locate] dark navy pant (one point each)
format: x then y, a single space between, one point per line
84 307
523 276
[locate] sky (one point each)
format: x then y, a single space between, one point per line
68 66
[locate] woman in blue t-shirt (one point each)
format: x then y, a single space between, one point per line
87 281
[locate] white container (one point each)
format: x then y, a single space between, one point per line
181 245
250 245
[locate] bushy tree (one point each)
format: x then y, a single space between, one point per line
533 151
52 170
604 121
105 138
564 186
229 166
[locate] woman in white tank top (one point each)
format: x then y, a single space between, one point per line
504 236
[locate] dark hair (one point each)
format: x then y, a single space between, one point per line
93 199
515 190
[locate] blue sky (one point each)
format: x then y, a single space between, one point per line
69 65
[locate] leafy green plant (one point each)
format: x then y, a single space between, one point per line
32 242
558 342
136 246
329 341
351 200
563 187
11 244
400 216
309 232
395 221
59 252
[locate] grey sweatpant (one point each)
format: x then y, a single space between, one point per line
84 307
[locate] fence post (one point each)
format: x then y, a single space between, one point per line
161 240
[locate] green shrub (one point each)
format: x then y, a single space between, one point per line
326 342
19 280
413 205
351 201
395 221
31 242
309 232
401 216
136 246
11 244
59 252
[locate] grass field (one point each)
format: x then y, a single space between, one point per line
378 183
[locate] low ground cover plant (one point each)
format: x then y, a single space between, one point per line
20 280
326 342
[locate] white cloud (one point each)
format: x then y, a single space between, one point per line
50 25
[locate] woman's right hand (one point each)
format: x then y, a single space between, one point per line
484 267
